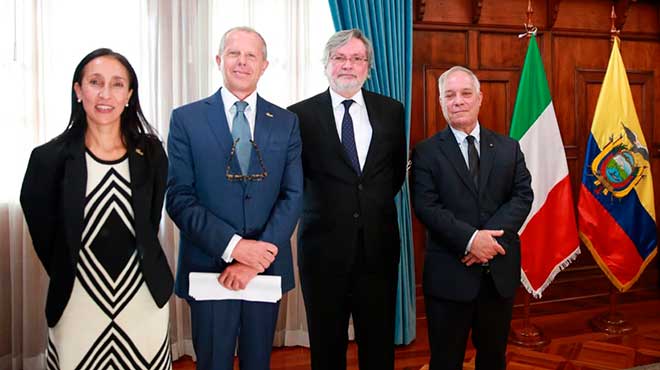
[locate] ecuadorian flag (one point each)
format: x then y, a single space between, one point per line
616 213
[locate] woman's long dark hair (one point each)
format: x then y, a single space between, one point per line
132 121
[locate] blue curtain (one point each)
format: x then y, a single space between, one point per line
388 24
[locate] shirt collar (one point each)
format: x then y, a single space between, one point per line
228 99
461 135
338 99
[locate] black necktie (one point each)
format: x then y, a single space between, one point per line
473 160
348 137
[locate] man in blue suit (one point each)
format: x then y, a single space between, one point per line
235 186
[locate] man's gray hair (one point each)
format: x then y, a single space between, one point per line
341 38
443 79
223 40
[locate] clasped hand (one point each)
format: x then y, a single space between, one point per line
255 253
484 247
237 276
252 257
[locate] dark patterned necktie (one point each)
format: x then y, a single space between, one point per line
348 137
473 160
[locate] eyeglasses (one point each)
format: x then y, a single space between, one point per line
341 59
240 177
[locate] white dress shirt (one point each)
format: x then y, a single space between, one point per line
228 100
461 139
361 125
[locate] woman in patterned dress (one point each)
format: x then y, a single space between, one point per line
92 198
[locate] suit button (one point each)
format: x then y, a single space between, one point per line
360 187
247 197
356 215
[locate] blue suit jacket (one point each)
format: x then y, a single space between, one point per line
209 209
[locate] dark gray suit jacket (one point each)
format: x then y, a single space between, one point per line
447 202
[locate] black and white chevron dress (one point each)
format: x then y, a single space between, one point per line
111 320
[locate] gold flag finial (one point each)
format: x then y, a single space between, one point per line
613 31
529 27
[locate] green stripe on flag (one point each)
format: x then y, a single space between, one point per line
533 92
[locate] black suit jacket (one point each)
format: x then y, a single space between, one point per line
337 202
447 202
53 199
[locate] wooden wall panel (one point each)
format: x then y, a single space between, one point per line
591 16
575 51
585 15
501 51
570 56
499 89
634 54
448 11
434 118
508 13
495 13
638 19
448 47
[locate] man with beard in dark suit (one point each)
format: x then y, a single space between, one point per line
354 155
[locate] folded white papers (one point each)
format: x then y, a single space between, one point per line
204 286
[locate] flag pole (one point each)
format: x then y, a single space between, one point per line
612 321
528 335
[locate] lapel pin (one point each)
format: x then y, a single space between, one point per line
139 151
268 114
491 145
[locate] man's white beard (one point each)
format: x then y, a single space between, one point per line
346 86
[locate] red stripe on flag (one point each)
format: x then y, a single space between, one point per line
609 244
550 236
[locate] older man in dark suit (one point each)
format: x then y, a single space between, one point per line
354 155
471 189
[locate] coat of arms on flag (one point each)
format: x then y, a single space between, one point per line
621 165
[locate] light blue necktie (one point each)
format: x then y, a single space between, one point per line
240 130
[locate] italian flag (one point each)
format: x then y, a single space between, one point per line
549 239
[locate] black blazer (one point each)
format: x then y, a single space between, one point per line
337 202
53 199
447 202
